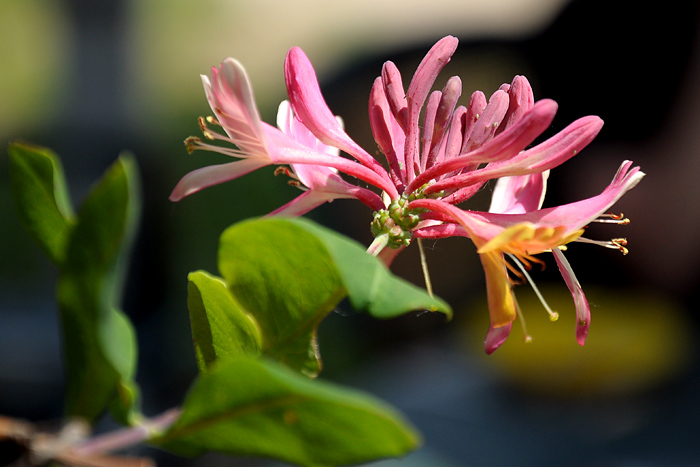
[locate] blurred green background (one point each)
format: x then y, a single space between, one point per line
93 79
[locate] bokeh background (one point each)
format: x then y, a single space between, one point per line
92 79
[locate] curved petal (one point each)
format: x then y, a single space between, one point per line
310 107
304 203
387 132
213 175
284 150
583 310
295 129
230 96
519 194
490 119
547 155
327 183
503 147
521 99
395 94
578 214
426 73
498 289
495 337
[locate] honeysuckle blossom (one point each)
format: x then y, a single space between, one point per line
438 154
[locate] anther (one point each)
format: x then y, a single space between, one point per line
612 219
527 338
191 143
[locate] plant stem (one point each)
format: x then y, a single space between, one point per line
126 437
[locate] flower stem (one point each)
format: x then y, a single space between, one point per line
127 437
378 244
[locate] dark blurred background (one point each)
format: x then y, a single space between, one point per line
93 79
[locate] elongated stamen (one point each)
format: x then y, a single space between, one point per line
193 143
612 219
240 136
526 336
424 266
282 170
615 243
553 315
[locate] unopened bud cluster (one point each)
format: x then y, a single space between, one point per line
396 221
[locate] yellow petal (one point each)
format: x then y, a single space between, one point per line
498 289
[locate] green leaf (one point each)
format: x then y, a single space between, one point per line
253 407
220 327
39 190
284 278
99 340
370 285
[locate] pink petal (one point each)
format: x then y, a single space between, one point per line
521 99
519 194
387 132
284 150
495 337
395 94
578 214
504 146
454 136
292 126
230 96
547 155
583 310
485 127
325 180
215 174
426 73
443 115
431 109
440 231
333 188
310 107
477 104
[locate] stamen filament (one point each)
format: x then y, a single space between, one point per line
424 266
526 336
553 315
615 243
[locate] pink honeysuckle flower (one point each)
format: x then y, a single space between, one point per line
522 234
230 96
438 154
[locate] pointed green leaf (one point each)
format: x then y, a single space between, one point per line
253 407
39 190
284 278
99 341
220 327
370 285
286 275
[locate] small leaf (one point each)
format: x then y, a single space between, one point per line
39 190
220 327
254 407
99 340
